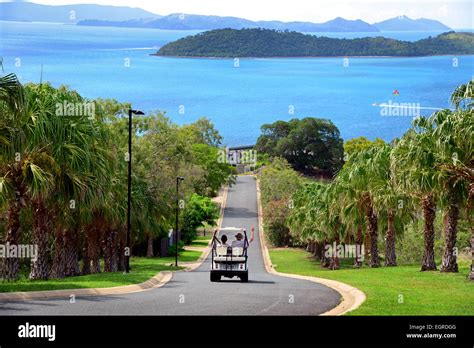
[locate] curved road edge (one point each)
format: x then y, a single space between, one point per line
157 281
352 297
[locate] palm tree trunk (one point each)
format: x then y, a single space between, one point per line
149 251
86 261
358 243
121 255
390 254
94 251
71 252
429 214
40 266
470 205
449 263
94 234
11 266
110 252
335 262
366 245
372 229
325 261
471 274
59 262
318 250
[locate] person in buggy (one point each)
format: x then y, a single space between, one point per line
230 260
223 242
239 241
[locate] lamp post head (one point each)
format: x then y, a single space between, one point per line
136 112
180 178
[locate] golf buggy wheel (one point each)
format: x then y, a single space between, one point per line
215 277
244 277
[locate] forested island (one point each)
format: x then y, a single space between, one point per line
229 43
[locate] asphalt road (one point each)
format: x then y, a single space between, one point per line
192 293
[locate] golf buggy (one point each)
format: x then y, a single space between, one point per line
227 261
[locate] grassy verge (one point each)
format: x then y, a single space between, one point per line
200 243
184 256
142 269
203 238
401 290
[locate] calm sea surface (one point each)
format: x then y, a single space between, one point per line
116 63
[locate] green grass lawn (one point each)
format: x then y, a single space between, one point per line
200 243
184 256
401 290
202 238
141 269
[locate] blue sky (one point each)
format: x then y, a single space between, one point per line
454 13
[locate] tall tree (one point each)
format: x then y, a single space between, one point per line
360 179
416 173
455 159
310 145
24 162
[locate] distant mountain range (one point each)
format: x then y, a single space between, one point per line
114 16
31 12
404 23
198 22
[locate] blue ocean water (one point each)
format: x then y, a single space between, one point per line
116 63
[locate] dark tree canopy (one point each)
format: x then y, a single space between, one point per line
309 145
232 43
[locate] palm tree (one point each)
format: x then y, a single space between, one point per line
415 167
452 132
352 213
465 95
23 175
71 143
389 201
306 217
470 210
359 177
337 231
12 134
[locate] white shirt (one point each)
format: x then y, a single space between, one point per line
238 244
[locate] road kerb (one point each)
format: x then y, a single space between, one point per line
352 297
157 281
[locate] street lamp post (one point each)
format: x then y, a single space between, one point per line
178 180
129 200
